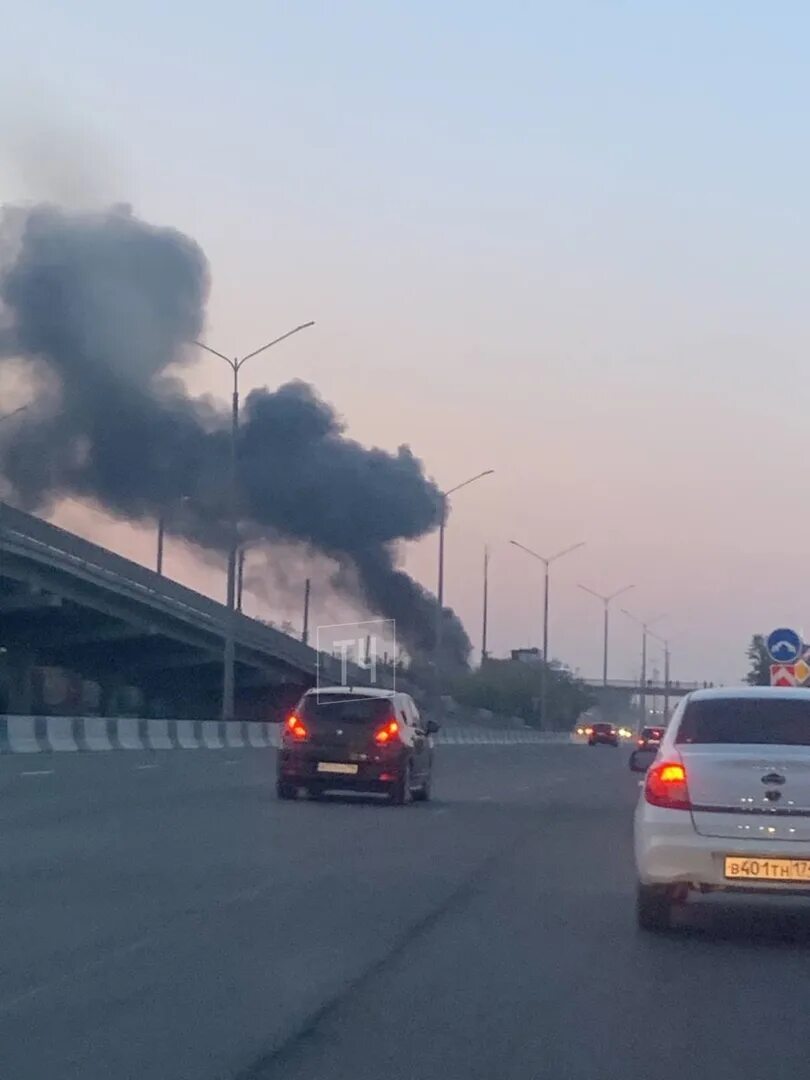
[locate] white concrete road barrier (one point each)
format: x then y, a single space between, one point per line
474 736
46 734
38 734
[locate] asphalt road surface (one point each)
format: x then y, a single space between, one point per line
163 917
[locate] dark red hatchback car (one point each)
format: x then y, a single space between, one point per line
347 739
604 734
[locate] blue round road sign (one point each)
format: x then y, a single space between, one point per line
784 646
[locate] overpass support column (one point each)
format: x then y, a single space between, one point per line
20 665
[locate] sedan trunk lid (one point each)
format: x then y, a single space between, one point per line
749 792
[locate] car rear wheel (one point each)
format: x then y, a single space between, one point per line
422 794
401 792
654 907
285 790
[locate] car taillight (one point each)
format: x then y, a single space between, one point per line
296 729
666 786
387 734
640 742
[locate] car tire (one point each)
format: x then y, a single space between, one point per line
401 791
654 907
315 794
286 791
423 793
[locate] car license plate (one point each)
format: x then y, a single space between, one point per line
337 767
744 869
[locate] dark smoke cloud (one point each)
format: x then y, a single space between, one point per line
101 305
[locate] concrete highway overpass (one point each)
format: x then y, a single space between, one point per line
72 607
620 698
652 688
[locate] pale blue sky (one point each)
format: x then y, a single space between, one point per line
565 240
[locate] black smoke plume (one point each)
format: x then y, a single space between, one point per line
100 306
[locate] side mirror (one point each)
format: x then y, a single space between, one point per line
431 727
641 760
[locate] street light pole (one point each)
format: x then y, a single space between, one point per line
486 607
644 676
645 629
163 515
666 682
240 577
440 594
543 691
305 631
547 561
665 643
229 651
161 536
437 648
606 600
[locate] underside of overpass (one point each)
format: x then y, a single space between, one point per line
65 655
83 630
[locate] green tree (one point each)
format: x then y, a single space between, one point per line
513 688
759 672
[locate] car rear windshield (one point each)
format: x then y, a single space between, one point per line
341 709
602 728
651 733
751 721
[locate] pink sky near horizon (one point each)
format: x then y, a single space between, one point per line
558 253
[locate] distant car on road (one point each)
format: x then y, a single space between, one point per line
343 738
602 734
650 737
726 801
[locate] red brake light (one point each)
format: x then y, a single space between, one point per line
666 786
387 734
296 728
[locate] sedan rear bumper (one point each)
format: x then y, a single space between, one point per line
668 851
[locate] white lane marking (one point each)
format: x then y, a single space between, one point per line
230 761
37 772
149 766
